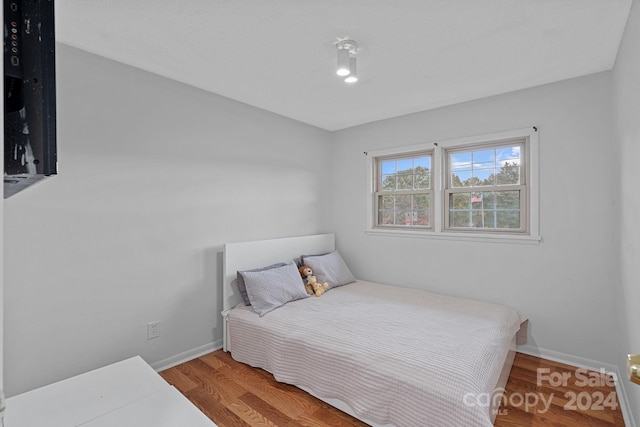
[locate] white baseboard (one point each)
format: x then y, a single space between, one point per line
186 356
593 365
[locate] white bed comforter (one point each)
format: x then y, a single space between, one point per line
395 355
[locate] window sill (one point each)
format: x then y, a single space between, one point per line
476 237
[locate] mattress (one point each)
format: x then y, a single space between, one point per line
395 355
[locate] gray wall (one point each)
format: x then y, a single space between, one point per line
154 177
565 284
626 78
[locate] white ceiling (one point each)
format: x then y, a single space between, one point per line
415 55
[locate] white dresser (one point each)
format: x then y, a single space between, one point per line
126 394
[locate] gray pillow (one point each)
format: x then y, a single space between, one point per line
240 280
329 268
270 289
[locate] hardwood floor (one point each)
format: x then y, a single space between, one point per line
539 393
558 395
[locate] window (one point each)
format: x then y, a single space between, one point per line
403 191
486 188
483 187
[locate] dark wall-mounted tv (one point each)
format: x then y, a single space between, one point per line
29 93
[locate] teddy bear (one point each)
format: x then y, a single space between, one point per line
311 284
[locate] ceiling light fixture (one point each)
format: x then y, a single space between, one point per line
343 63
346 60
353 74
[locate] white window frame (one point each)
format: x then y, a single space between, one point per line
379 192
520 187
438 184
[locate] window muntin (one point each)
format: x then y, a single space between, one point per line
403 195
485 188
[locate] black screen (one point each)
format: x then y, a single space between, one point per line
29 93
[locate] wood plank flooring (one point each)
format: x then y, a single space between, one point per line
539 393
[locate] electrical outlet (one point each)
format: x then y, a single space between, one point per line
153 330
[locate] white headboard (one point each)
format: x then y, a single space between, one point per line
260 253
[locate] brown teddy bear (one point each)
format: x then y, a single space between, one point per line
310 283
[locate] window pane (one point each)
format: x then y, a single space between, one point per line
461 179
405 210
405 182
484 156
484 176
421 163
405 174
486 167
487 210
483 218
508 219
404 202
385 202
388 182
489 219
421 201
398 218
477 200
508 153
424 219
404 218
508 200
508 174
421 182
459 219
460 161
405 166
488 199
459 201
388 167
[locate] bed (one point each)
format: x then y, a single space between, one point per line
390 356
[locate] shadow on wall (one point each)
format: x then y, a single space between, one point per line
213 276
